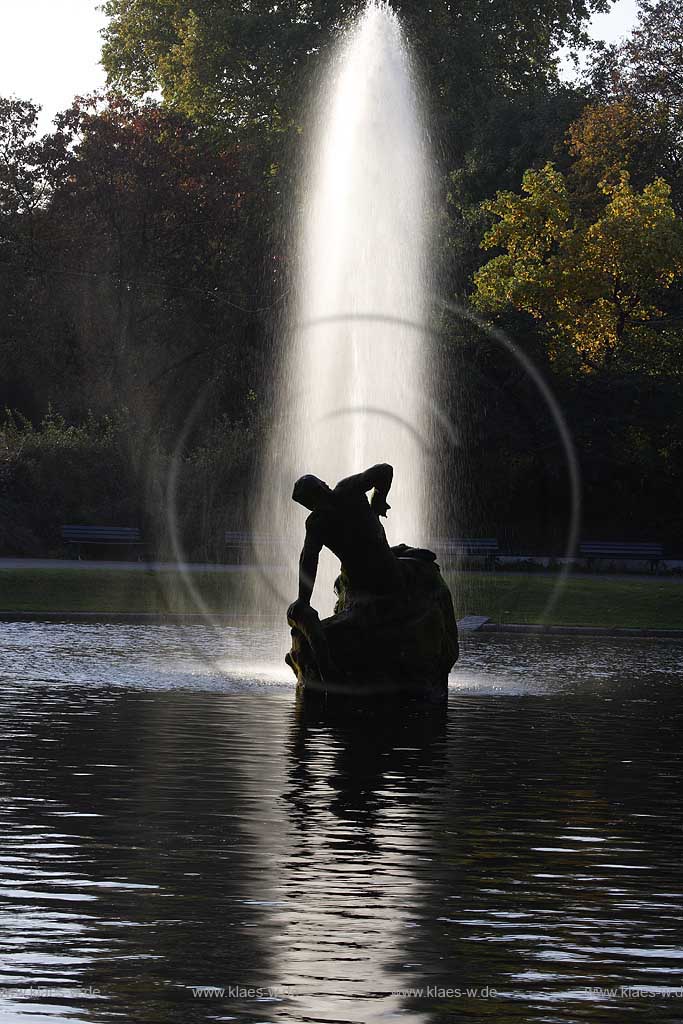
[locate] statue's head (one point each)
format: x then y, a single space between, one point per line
311 492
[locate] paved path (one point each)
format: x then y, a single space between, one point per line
84 563
75 563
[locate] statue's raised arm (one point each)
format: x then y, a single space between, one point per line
377 479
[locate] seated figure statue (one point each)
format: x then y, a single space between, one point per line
393 627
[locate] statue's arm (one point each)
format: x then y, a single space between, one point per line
308 565
377 478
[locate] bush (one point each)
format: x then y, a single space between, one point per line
59 473
212 491
104 471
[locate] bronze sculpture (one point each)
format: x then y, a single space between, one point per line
393 629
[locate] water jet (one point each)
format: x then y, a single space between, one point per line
358 373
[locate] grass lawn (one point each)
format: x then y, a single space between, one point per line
583 600
504 597
116 590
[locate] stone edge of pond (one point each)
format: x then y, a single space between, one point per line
607 631
190 619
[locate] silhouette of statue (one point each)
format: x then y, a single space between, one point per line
389 599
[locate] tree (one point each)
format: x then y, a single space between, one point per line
30 172
133 286
489 68
245 64
604 140
648 63
645 73
155 223
129 272
29 167
512 132
596 285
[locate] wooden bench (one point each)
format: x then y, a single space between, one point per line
594 551
77 536
467 547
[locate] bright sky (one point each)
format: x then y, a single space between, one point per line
50 49
617 23
611 27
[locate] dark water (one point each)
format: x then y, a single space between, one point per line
171 821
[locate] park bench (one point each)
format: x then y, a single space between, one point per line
77 536
459 548
594 551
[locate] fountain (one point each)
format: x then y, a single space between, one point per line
357 378
393 629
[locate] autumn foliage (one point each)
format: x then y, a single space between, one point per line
145 245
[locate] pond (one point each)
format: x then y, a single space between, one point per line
180 842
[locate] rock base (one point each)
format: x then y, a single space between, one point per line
376 646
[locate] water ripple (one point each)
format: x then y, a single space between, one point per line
189 826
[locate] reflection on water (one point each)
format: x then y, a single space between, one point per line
172 820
